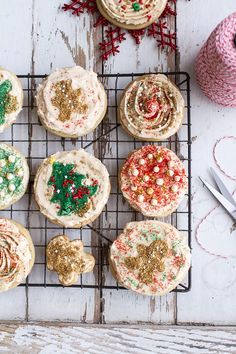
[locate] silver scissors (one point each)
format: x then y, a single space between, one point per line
223 195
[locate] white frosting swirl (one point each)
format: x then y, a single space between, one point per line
133 13
152 108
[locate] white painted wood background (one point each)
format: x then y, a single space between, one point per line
37 37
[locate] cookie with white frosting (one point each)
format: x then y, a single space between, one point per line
151 108
68 259
150 257
131 14
16 254
14 175
71 102
153 180
71 188
11 98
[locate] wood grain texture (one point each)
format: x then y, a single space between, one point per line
46 338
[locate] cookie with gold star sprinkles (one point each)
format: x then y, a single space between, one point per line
153 180
151 108
14 175
11 98
150 257
72 188
131 14
71 102
68 259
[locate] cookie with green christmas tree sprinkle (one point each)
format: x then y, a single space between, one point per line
14 175
11 98
72 188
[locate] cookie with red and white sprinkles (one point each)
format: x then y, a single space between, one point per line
150 257
153 180
151 108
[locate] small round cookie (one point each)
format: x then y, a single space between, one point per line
130 14
71 188
71 102
16 254
68 259
11 98
14 175
151 108
150 257
153 180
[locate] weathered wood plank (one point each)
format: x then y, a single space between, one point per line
35 338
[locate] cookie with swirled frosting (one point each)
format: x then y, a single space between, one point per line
151 108
153 180
11 98
16 254
131 14
71 188
150 257
71 102
14 175
68 259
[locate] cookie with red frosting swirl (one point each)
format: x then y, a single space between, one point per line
16 254
151 108
153 180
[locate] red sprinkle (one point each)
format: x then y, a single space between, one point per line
81 192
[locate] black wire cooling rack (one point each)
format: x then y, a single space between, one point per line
111 145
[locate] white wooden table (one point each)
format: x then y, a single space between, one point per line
37 37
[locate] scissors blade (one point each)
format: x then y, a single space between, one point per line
230 208
222 187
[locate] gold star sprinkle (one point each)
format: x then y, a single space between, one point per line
149 260
68 100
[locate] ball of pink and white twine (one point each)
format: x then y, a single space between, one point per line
216 63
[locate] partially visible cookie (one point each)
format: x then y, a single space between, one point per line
11 98
151 108
14 175
150 257
71 102
131 14
68 259
16 254
71 188
153 180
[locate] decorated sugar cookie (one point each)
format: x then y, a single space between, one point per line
153 180
131 14
71 188
11 98
68 259
16 254
150 257
151 108
14 175
71 102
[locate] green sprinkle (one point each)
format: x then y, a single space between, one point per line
136 6
69 191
